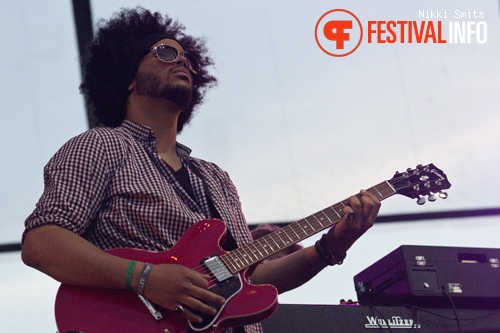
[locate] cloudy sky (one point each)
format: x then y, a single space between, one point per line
297 129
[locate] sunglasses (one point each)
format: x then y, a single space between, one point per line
170 54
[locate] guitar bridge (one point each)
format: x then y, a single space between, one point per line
217 269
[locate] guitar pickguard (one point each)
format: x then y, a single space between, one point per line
227 289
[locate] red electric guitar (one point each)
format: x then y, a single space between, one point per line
103 311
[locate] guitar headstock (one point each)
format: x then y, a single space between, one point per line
424 180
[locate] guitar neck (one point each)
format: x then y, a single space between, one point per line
272 243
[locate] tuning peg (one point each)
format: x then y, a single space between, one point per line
421 200
443 195
433 197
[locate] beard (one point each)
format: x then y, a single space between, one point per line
150 85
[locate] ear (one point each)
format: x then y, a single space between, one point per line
131 86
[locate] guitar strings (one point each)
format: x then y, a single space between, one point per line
243 257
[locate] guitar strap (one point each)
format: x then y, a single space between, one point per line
230 243
213 211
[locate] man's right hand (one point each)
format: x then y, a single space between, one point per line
173 285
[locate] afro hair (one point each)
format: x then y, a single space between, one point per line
111 62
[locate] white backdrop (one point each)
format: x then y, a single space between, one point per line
297 129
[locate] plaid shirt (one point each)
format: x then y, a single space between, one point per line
110 186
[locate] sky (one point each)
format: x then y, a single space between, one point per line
296 128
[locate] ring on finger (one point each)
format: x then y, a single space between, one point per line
179 309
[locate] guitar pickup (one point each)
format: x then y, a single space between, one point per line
217 269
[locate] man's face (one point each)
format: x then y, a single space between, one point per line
158 79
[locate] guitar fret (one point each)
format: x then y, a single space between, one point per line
281 239
257 253
317 223
229 263
300 226
327 217
305 234
304 221
274 240
379 194
338 211
239 257
286 233
245 256
249 251
264 247
390 187
267 243
297 232
234 263
318 220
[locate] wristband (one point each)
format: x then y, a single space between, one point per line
326 255
130 271
143 278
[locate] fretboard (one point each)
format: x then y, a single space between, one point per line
293 233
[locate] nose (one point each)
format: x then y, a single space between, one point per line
181 59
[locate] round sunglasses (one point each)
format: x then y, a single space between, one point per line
169 54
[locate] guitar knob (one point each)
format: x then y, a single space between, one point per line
421 201
443 195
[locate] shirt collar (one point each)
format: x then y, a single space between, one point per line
145 133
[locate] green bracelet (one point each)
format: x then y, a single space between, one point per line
130 271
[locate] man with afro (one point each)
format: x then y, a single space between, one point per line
130 184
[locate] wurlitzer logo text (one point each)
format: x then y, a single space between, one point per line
392 322
339 32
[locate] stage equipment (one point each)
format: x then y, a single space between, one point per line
433 276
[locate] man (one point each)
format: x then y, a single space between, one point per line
130 184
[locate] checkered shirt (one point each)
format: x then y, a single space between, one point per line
110 186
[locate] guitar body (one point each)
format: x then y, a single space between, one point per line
102 310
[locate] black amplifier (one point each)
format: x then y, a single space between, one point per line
433 276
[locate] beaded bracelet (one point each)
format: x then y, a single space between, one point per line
130 271
143 278
325 254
